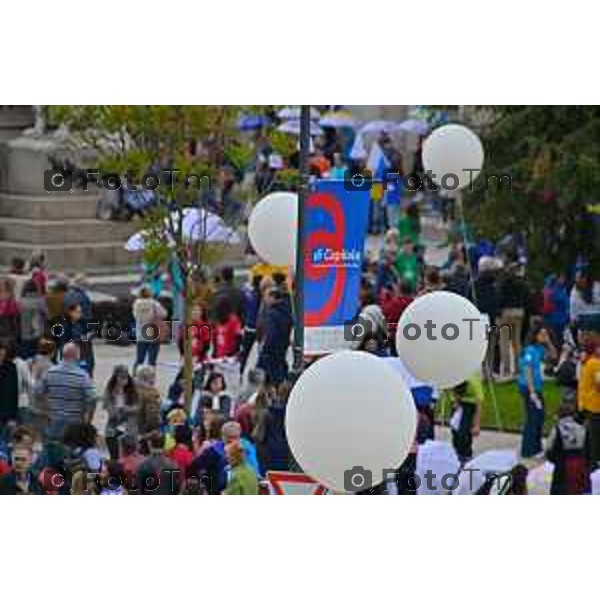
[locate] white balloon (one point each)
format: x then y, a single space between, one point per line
442 338
448 151
350 409
273 227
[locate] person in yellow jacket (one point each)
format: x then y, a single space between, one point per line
588 389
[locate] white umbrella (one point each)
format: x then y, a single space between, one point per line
197 225
378 127
293 127
338 119
416 126
293 112
476 471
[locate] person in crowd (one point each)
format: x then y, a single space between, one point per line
122 407
252 301
387 275
148 313
273 333
39 272
432 281
465 421
158 474
81 441
407 264
18 478
200 331
76 294
113 480
26 391
130 460
9 310
76 332
149 401
181 453
485 298
371 331
9 389
227 289
18 276
458 281
68 392
568 449
588 390
338 168
33 318
585 296
393 303
269 431
243 480
210 464
232 432
531 386
513 298
556 307
55 298
214 398
227 330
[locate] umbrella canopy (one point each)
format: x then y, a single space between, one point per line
339 119
378 127
416 126
197 225
251 122
293 127
293 112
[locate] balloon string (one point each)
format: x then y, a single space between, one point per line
487 369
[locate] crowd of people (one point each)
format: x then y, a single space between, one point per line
228 437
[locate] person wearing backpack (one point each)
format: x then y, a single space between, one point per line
147 313
568 449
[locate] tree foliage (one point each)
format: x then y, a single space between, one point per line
552 154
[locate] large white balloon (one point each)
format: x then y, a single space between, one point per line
349 410
442 338
454 155
273 227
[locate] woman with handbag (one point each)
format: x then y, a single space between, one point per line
148 314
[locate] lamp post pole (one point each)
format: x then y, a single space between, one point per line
303 192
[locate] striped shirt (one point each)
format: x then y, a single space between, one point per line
69 392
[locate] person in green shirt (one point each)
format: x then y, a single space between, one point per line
465 422
407 264
242 480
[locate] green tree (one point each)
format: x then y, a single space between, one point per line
552 154
135 138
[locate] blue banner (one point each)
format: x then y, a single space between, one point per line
335 233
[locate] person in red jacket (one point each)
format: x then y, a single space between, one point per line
393 303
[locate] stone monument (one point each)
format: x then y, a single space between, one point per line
63 225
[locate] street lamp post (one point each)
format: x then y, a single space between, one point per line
303 192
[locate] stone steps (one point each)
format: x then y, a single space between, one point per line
73 256
41 232
49 206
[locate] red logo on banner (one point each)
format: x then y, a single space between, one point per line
334 240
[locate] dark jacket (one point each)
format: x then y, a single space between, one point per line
9 392
486 295
275 328
512 292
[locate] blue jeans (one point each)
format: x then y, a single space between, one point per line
146 349
532 430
